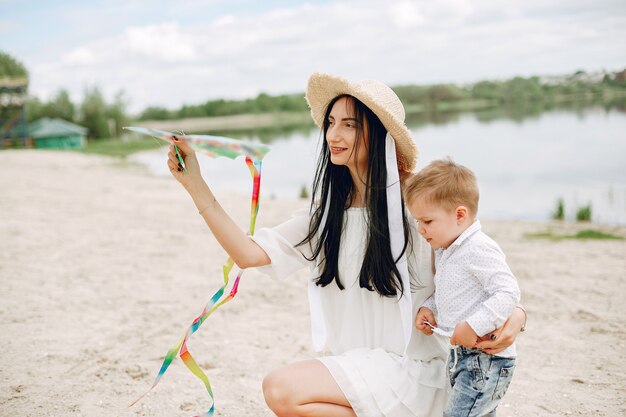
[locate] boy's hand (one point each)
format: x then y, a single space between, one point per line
464 335
425 314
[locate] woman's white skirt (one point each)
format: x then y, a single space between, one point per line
378 383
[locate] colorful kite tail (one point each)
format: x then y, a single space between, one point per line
214 303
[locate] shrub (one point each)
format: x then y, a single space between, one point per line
584 213
304 193
559 211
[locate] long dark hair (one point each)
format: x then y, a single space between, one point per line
379 271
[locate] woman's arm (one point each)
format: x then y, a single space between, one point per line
501 338
243 250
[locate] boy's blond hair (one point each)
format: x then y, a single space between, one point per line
444 183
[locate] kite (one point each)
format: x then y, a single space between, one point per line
212 146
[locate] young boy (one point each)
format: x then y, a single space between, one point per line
475 290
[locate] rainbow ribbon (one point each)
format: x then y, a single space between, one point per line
181 349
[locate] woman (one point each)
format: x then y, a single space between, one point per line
370 270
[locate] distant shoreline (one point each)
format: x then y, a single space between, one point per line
249 121
232 123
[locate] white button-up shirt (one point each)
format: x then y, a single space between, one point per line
473 283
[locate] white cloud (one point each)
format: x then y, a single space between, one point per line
238 54
80 57
406 14
165 42
225 20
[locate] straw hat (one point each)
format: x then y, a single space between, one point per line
385 104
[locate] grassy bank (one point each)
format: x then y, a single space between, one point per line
120 148
239 122
585 234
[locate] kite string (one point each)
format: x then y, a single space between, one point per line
181 347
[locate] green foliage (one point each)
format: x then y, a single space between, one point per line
489 90
429 96
116 115
34 109
60 106
581 235
93 113
615 80
596 234
155 113
559 211
304 192
102 119
263 103
11 67
112 147
522 90
543 235
532 91
584 213
412 93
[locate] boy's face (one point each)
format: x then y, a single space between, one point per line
440 227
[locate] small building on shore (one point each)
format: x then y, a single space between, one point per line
49 133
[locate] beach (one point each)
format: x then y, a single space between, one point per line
103 267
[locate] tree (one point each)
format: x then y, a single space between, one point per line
34 109
116 115
93 113
10 67
412 94
263 103
487 90
60 106
155 113
521 89
444 92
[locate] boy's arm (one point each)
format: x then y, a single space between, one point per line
464 335
430 303
489 266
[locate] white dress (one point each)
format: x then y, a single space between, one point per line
363 330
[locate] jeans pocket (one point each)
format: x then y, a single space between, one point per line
477 370
504 379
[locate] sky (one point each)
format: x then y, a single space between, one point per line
167 53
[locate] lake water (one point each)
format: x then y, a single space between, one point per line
523 166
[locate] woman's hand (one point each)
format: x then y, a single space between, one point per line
502 338
188 155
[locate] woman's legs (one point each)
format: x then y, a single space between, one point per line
305 389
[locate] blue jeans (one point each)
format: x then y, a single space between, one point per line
478 380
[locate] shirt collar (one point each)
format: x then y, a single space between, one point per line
472 229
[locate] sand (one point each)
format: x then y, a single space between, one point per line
103 266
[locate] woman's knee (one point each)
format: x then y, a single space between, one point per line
277 393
